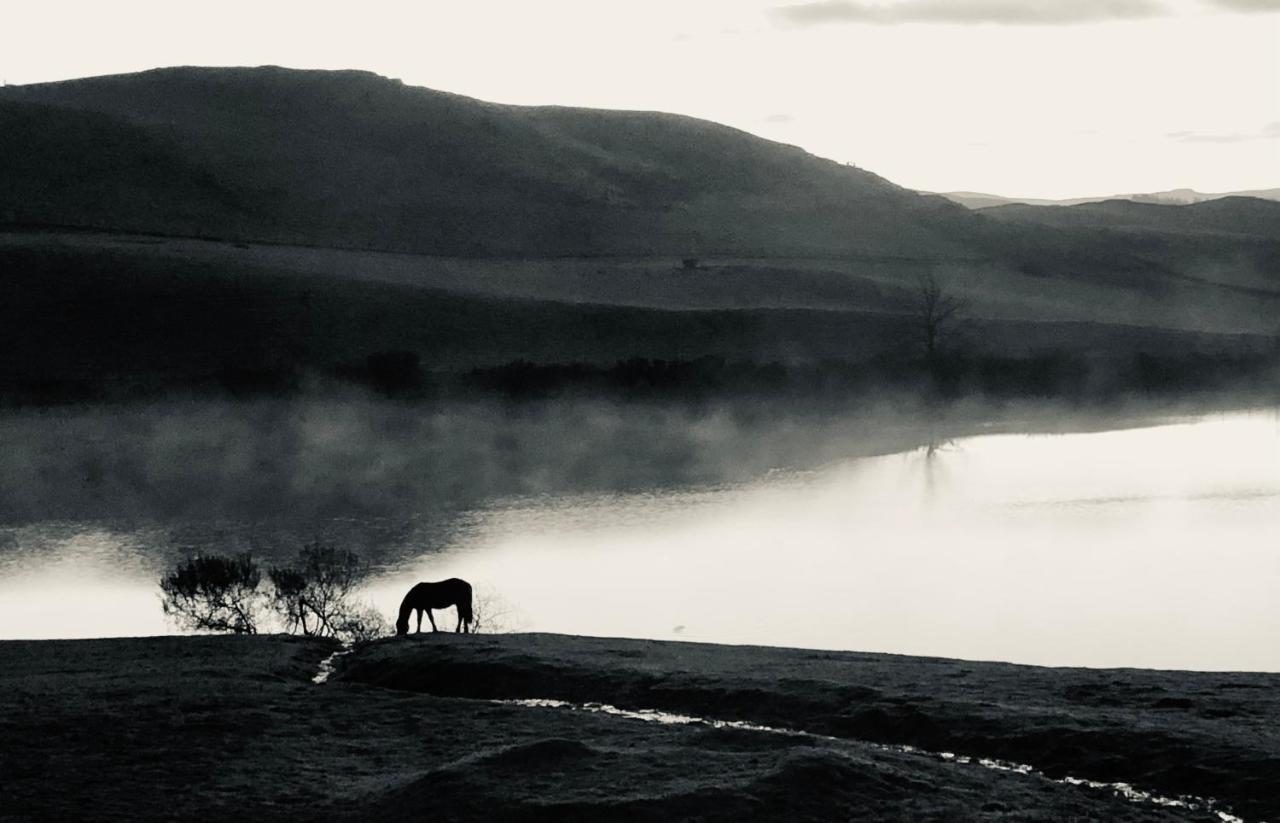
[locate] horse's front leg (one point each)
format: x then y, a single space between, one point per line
433 621
419 621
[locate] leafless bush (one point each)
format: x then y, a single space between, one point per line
315 597
360 624
492 614
214 593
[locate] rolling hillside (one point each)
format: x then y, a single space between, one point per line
351 159
85 169
181 226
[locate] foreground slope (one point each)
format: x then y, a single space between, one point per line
185 728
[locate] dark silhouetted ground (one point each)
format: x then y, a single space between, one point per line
182 728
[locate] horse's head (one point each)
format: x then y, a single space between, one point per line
402 626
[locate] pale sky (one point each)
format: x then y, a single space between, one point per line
1033 98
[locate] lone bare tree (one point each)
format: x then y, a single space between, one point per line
938 312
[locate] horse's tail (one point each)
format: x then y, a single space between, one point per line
464 604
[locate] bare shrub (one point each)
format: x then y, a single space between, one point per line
363 623
491 613
214 593
288 600
315 598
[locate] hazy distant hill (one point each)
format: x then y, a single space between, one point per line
1172 197
1245 216
353 159
979 200
1182 197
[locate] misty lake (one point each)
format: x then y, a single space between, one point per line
1156 546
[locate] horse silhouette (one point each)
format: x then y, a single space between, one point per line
427 596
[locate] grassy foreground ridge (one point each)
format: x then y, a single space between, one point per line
215 727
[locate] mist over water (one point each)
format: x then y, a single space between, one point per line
1149 546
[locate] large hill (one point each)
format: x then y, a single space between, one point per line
355 160
352 160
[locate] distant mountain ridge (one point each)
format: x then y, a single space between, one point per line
1227 216
1172 197
355 160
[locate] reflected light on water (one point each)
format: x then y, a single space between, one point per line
90 583
1148 547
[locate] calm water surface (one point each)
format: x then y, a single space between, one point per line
1150 547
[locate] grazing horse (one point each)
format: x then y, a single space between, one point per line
427 596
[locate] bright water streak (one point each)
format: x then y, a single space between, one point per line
1151 547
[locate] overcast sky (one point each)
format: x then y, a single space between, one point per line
1040 98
